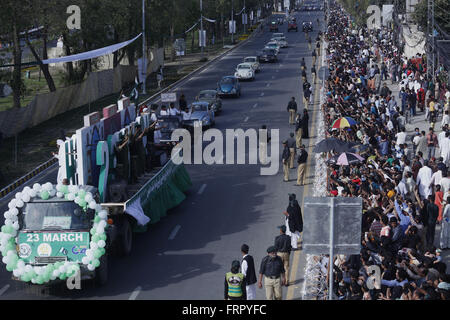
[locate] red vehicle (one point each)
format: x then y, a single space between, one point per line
292 25
273 26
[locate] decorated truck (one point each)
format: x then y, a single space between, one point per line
112 181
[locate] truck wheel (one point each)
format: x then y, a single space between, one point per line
125 238
101 273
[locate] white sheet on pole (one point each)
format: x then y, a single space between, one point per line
91 54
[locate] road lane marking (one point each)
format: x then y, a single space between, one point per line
4 289
273 77
135 293
255 105
268 85
246 119
174 232
202 188
262 94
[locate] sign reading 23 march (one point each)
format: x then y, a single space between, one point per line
69 245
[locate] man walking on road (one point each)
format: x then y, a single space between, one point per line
313 73
292 151
301 160
274 274
285 158
314 55
248 270
234 283
283 246
292 109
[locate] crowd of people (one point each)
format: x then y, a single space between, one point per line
405 190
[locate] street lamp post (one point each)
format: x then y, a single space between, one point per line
245 20
201 26
232 21
144 66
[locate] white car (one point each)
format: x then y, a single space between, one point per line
273 45
281 41
245 71
254 62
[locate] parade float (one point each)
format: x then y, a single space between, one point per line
103 194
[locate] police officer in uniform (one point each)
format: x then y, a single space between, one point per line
283 246
235 283
274 275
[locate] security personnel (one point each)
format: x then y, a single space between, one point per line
314 73
292 150
314 55
303 64
235 283
298 130
292 109
283 246
285 158
304 75
301 160
274 276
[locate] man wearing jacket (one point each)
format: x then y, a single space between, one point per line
248 270
292 109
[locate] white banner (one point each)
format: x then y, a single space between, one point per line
209 20
202 38
244 18
232 26
91 54
169 97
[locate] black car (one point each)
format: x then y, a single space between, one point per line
168 124
267 55
307 26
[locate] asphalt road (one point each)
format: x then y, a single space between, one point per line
186 255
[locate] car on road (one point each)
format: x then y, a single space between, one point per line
273 45
212 97
253 60
267 55
244 71
307 26
229 86
273 26
292 25
169 124
281 41
200 114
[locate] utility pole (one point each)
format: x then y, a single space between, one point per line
144 65
434 48
244 15
201 26
232 22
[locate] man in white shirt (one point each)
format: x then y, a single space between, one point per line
444 147
164 111
401 137
424 180
445 183
173 111
445 120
